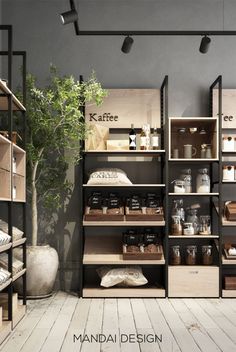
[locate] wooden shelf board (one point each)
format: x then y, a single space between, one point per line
194 194
3 100
132 185
123 223
5 247
151 291
226 261
18 315
17 149
2 199
15 277
15 174
160 151
7 283
192 160
183 119
228 223
4 140
109 259
19 242
5 330
229 293
225 181
228 151
195 236
17 200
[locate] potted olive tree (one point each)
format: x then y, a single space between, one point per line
55 124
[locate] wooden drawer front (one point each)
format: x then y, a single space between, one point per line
195 281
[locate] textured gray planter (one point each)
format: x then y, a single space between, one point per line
42 266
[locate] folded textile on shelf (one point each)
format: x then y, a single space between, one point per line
17 265
16 233
4 275
108 176
4 238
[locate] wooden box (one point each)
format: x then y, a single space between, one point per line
144 217
193 281
143 255
230 211
4 304
103 217
230 282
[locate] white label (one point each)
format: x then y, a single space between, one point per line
143 141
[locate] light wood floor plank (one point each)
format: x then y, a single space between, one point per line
110 326
198 332
160 326
77 326
182 335
126 324
216 333
94 325
143 325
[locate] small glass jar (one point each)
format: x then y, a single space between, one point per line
179 186
175 255
203 181
205 225
228 173
191 255
176 226
188 229
192 218
207 255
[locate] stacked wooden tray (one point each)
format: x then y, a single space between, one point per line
158 255
135 216
91 216
230 211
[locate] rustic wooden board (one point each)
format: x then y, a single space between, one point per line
125 106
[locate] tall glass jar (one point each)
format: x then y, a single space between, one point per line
175 255
178 209
205 225
187 178
192 217
207 255
203 181
191 255
176 226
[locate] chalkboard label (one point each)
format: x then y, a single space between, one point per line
113 203
135 203
150 238
95 201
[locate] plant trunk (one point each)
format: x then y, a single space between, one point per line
34 214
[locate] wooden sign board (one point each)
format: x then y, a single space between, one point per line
125 106
228 107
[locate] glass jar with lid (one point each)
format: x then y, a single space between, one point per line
179 186
176 226
207 255
175 255
203 181
191 255
192 217
187 178
205 225
228 173
178 209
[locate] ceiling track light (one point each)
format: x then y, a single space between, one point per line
205 44
71 16
127 44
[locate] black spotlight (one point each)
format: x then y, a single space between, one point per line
205 45
127 44
69 16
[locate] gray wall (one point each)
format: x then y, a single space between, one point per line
38 30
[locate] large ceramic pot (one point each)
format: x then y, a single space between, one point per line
42 266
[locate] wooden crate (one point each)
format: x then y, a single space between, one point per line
144 217
230 282
104 217
193 281
230 211
143 255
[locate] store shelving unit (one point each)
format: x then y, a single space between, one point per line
9 103
98 250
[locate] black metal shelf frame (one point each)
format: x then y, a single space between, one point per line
161 162
10 54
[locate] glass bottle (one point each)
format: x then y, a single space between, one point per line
132 138
155 139
192 217
207 255
203 181
191 255
187 178
148 137
143 138
175 255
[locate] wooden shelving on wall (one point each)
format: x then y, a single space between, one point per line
5 91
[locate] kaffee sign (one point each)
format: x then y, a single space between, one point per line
125 106
228 107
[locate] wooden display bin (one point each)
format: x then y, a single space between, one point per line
178 139
230 211
144 217
230 282
103 217
193 281
158 255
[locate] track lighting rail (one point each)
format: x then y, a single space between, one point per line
157 33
